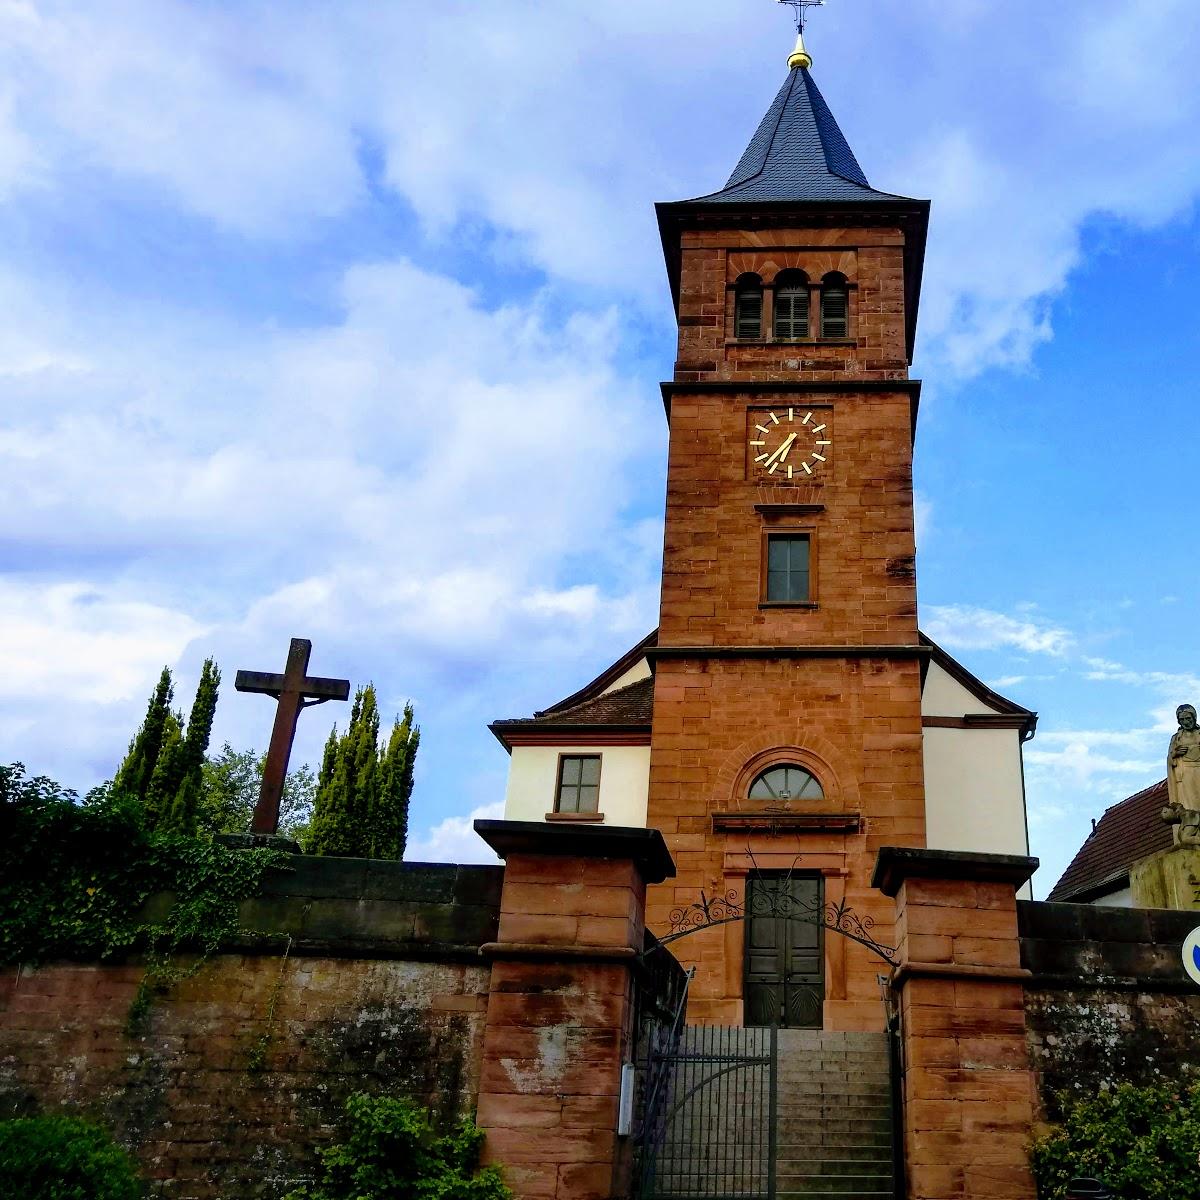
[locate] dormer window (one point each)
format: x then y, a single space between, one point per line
835 306
578 789
748 307
791 306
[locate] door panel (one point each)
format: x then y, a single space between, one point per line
785 956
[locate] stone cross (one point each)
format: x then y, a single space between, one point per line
295 689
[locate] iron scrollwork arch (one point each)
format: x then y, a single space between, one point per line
835 915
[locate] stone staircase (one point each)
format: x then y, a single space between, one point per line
834 1135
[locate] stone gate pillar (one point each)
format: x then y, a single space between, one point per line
560 1008
968 1088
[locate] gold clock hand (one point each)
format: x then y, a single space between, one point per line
784 447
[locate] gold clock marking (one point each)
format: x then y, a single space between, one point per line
787 453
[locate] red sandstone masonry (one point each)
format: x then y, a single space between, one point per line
968 1087
182 1096
559 1024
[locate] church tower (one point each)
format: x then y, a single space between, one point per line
787 719
787 724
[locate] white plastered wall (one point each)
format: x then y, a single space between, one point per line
624 782
974 787
639 670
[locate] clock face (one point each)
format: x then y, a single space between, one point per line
789 443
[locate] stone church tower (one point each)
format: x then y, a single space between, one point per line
787 719
788 633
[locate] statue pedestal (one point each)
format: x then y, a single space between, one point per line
1168 879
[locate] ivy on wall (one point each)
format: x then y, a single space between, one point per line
75 879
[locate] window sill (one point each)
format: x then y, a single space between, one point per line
781 342
585 818
788 604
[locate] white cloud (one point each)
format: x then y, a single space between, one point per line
74 642
412 499
555 127
969 628
455 840
1079 761
1092 738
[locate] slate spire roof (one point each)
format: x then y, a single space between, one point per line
798 155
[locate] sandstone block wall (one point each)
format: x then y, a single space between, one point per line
382 990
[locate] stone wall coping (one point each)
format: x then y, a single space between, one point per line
531 951
932 970
644 847
895 864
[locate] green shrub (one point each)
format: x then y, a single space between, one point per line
392 1152
63 1158
1143 1142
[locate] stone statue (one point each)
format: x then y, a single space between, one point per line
1183 779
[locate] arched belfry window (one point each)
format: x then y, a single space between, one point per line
835 306
786 782
791 306
748 307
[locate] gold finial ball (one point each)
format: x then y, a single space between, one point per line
800 58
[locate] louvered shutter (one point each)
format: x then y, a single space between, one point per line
835 311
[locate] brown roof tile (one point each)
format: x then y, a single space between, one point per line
627 709
590 691
1127 831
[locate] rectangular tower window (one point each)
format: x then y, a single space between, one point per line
788 568
578 784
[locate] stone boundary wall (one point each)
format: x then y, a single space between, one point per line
1109 1000
382 988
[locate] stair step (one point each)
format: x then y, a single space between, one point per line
838 1185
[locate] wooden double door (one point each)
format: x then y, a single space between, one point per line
785 951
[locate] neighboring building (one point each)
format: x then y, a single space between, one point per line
787 719
1129 831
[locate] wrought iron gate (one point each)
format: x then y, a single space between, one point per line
709 1127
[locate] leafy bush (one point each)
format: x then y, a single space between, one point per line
62 1158
394 1153
1143 1142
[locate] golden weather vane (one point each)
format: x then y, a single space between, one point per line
800 56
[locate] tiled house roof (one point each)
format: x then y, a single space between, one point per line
1127 831
626 710
629 659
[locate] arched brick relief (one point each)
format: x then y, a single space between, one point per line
744 764
814 262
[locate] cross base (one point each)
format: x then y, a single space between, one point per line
258 841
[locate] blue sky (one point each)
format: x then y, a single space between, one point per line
349 324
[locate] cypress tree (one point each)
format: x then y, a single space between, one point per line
362 794
390 826
134 774
164 778
182 785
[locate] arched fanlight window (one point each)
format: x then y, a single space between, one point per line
835 306
786 782
791 306
747 307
